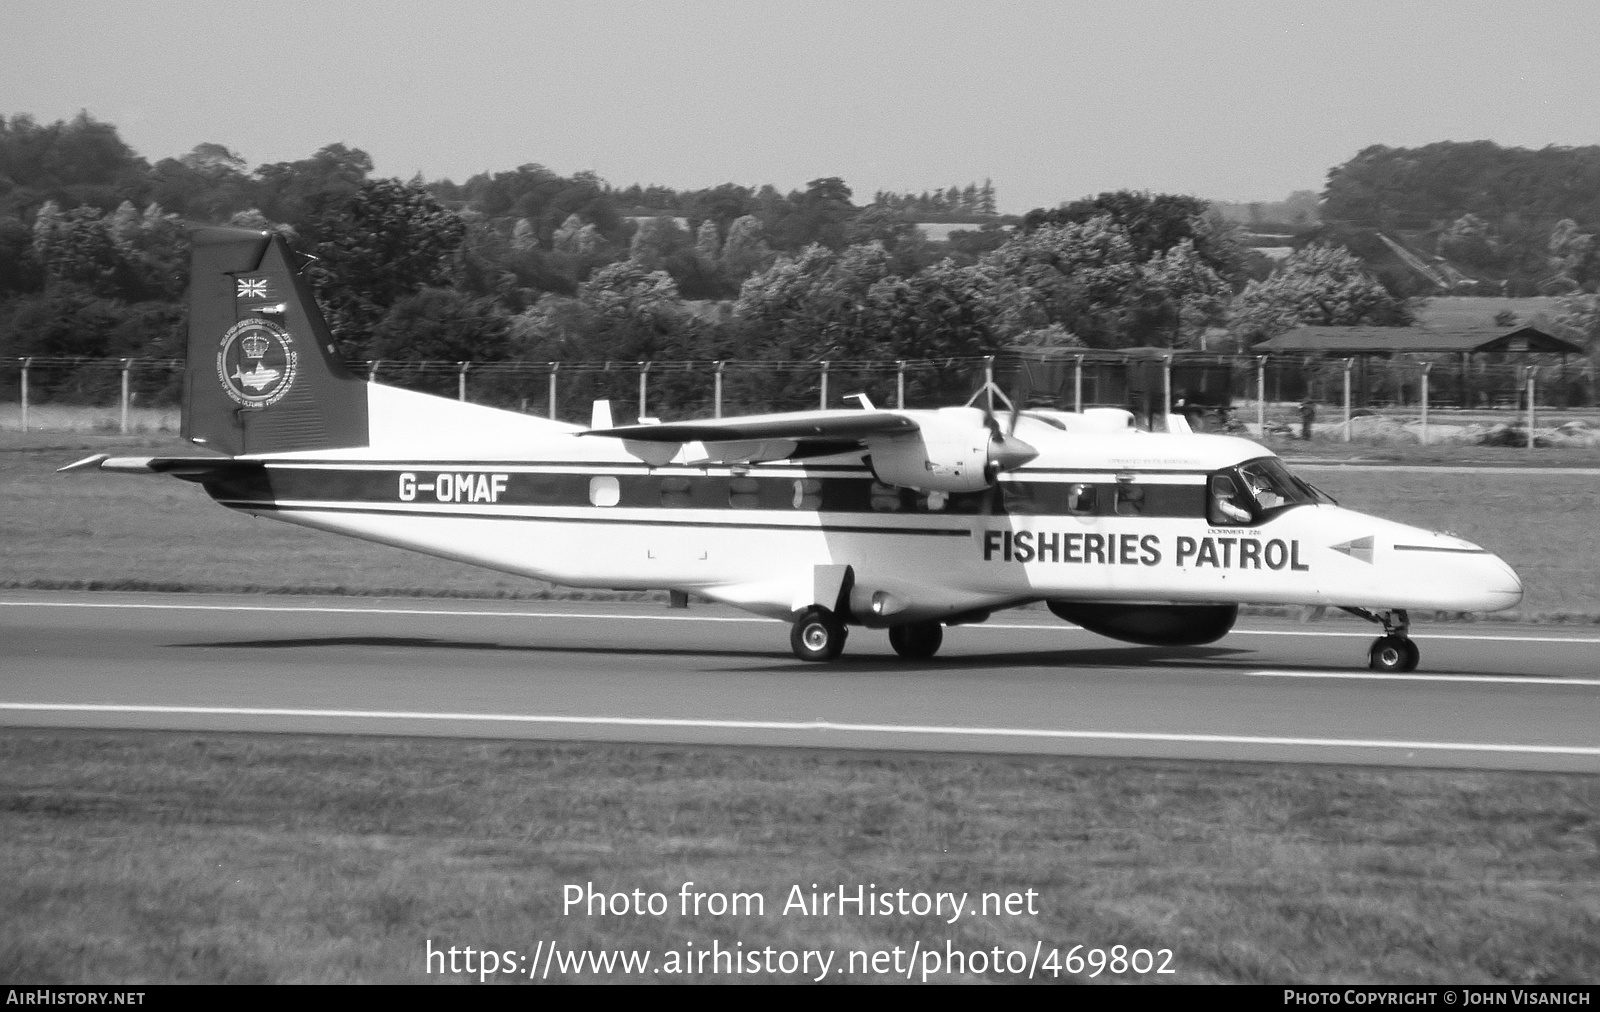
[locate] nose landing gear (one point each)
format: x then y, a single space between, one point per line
817 635
1394 650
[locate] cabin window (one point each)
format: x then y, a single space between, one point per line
807 494
1081 500
1129 499
605 491
886 498
1226 504
744 494
677 492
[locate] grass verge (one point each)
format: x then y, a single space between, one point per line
177 857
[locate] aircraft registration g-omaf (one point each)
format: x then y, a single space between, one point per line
904 520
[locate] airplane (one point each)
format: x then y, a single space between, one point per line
906 520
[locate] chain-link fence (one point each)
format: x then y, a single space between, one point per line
1261 391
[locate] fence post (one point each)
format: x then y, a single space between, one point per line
1427 367
716 395
644 388
555 367
122 425
1166 392
461 381
824 403
1077 385
900 384
1532 372
26 363
1348 364
372 372
1261 397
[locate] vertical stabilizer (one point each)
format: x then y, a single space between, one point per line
263 373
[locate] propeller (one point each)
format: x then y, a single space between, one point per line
1006 451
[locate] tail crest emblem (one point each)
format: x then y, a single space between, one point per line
256 363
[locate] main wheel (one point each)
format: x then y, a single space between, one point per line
1393 653
916 640
817 635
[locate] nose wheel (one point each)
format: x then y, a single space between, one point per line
1394 650
817 635
1393 653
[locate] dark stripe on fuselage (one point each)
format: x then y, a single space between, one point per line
825 528
363 487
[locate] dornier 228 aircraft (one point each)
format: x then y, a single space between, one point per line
905 520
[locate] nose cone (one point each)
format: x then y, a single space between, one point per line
1007 453
1500 584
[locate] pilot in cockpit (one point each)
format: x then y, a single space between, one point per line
1224 508
1262 491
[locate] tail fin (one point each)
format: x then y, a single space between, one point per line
263 373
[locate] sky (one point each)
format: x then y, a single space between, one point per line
1052 101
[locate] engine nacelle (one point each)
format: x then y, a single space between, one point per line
953 450
1153 625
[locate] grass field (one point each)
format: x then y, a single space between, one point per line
141 857
94 530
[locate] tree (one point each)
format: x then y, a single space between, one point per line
442 324
1181 297
296 192
657 239
207 184
745 251
1154 223
76 162
1318 286
374 246
1081 276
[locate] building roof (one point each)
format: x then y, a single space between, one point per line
1456 337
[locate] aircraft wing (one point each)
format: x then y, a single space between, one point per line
843 425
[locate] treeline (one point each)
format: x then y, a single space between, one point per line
958 201
1510 220
529 265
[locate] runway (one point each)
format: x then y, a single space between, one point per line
1485 696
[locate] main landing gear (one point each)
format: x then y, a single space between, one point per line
916 641
819 635
1394 650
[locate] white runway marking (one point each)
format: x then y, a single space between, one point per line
810 725
1383 677
1061 627
324 610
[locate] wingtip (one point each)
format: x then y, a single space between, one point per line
87 463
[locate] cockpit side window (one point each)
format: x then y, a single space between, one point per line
1227 504
1260 487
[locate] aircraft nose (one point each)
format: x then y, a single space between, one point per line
1501 581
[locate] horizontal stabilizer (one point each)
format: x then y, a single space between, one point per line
755 428
179 467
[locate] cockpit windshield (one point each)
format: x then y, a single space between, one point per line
1257 489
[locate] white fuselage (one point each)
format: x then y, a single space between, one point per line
532 497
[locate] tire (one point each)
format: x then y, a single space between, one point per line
1392 653
916 641
1413 655
817 635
